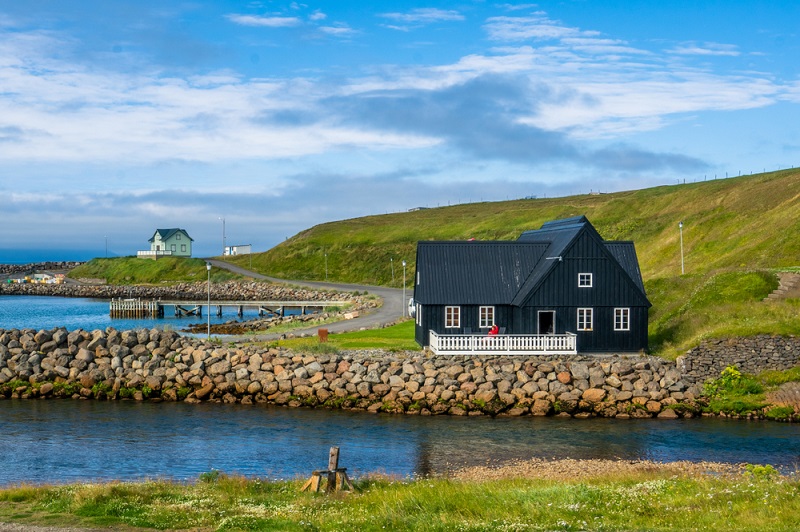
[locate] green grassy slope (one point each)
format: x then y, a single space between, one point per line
744 222
131 270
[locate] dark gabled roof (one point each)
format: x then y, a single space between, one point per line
509 272
456 272
558 234
625 253
165 234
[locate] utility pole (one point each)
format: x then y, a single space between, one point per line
680 228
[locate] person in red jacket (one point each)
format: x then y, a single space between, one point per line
495 330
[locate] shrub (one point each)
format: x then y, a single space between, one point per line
732 382
780 413
210 477
66 388
126 393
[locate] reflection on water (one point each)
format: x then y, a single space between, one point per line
67 441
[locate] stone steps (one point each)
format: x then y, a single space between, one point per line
788 287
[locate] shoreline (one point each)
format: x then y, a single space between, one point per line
157 365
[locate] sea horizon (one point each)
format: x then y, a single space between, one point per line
31 256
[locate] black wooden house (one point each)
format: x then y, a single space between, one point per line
562 279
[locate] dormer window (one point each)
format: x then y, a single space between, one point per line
584 280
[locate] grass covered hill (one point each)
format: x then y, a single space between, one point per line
132 270
743 222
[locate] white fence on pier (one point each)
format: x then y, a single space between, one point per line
505 344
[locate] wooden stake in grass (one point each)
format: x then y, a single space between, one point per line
337 476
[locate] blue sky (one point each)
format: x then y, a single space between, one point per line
119 117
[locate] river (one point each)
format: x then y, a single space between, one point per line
62 441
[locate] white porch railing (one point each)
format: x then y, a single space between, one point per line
506 344
152 254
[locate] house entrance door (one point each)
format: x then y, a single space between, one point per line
547 322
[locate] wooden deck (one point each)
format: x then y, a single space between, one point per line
504 344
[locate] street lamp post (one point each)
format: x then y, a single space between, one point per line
326 267
106 246
391 261
208 329
404 289
223 235
680 228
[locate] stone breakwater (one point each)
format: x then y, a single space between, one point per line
11 269
162 365
231 290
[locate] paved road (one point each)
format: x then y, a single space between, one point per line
389 312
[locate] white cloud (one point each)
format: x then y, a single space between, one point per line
338 30
317 15
714 49
538 27
266 22
517 7
425 15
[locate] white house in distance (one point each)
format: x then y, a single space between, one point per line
244 249
168 242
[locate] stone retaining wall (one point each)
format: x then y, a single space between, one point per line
751 355
163 365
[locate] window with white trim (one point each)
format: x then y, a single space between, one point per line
452 317
585 280
486 317
622 319
585 319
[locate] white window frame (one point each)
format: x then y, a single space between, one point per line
452 317
585 319
485 316
177 236
585 280
418 313
622 319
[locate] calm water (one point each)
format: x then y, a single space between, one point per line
66 441
40 312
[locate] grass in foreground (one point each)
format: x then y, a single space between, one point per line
646 500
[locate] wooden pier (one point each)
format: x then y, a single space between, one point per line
134 308
140 308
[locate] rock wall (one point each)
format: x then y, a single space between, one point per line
231 290
162 365
751 355
10 269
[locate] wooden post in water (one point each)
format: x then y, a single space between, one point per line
333 466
